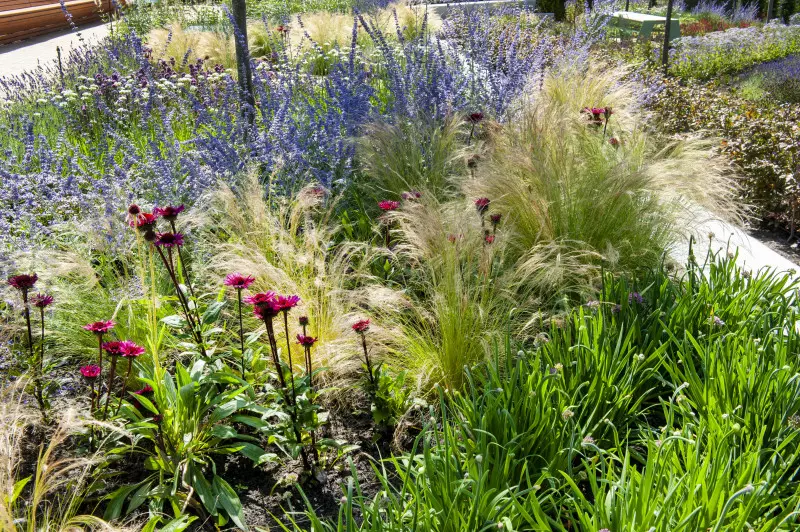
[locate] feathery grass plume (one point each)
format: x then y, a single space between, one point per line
91 282
289 248
51 498
412 154
559 182
460 306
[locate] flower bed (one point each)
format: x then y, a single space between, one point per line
732 50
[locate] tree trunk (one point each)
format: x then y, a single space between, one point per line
665 55
239 8
770 10
559 10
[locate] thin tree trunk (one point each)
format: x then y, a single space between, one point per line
239 9
665 55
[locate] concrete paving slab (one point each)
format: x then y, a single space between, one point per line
18 57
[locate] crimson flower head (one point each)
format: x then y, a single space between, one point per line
361 326
614 141
475 117
495 218
286 303
23 282
303 320
282 29
388 205
264 305
306 341
169 213
134 210
169 240
91 371
147 389
144 221
113 348
129 349
489 239
42 300
411 195
260 299
100 327
238 281
482 204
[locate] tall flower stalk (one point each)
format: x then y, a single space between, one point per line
24 283
129 350
266 306
99 328
114 350
239 282
91 373
307 342
361 328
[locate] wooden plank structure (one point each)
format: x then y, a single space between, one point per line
21 19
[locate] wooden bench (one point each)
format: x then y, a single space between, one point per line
643 23
21 19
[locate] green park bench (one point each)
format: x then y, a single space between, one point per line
643 23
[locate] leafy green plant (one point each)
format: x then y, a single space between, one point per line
178 430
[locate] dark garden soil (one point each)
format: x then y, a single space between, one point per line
778 241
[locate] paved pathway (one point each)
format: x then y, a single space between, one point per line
753 254
21 56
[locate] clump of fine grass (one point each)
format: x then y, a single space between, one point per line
562 181
414 154
49 499
288 246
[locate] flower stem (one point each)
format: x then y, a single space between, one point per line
112 373
37 378
241 327
366 357
289 354
124 386
181 297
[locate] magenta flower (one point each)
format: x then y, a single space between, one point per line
411 195
260 299
134 210
144 221
42 300
361 326
100 327
147 389
23 282
482 204
91 371
495 218
238 281
113 348
169 213
489 239
169 240
303 320
388 205
475 117
614 141
130 349
264 305
286 303
306 341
